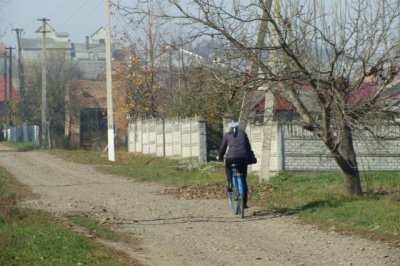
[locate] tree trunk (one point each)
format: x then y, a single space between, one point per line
345 157
351 176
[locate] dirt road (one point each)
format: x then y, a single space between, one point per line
178 232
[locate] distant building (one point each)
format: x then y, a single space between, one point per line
5 98
90 55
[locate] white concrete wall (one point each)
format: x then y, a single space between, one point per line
169 138
295 149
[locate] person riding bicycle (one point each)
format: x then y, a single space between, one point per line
239 147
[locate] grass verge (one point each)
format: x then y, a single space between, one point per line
32 237
319 199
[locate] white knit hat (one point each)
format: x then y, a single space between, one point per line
233 126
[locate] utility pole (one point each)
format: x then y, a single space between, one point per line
10 82
10 70
44 88
248 96
21 72
110 118
5 76
5 89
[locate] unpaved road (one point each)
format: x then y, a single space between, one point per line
178 232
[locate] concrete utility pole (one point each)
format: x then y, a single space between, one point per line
5 89
21 72
268 131
248 96
44 88
110 115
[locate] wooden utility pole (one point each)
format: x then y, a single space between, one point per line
44 87
21 72
10 70
5 76
110 115
10 84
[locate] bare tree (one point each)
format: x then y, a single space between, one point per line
60 71
3 31
165 74
314 52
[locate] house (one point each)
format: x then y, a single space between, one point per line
52 34
5 98
281 142
90 54
99 36
284 110
86 119
31 49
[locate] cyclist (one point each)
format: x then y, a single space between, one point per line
239 147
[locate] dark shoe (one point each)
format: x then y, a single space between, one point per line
246 206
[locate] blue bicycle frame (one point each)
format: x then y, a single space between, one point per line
238 192
237 182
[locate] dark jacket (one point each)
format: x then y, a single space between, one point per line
238 143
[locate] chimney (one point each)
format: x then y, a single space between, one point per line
87 42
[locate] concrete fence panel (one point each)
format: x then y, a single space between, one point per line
176 138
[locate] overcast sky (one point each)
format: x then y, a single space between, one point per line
79 18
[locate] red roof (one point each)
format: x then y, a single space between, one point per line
14 93
363 94
280 103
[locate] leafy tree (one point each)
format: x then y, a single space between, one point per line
137 85
137 92
313 50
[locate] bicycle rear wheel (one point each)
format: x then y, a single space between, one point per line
231 201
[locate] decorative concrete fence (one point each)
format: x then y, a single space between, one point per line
175 138
289 147
277 146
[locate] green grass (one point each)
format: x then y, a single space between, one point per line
31 237
21 145
147 168
319 199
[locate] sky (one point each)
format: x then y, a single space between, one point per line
79 18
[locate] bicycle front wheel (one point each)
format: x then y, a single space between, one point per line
240 203
238 197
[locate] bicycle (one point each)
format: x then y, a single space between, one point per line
235 196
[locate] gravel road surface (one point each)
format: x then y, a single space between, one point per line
172 231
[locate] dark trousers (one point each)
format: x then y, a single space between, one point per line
242 168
